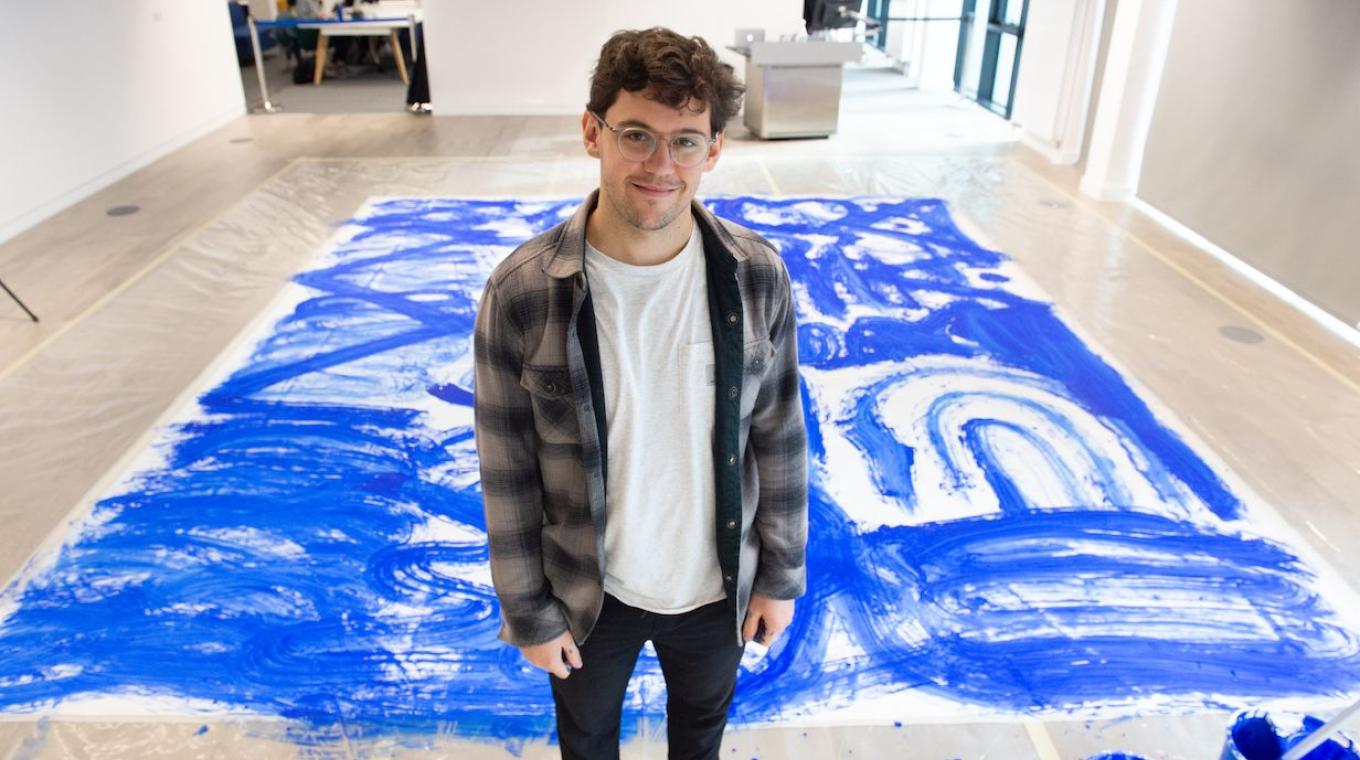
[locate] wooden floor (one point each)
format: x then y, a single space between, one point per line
135 307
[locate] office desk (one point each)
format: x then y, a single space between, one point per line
793 88
376 27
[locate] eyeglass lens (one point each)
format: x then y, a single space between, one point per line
638 144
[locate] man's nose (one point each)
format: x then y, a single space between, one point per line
660 160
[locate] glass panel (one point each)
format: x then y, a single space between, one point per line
1005 68
977 42
1014 10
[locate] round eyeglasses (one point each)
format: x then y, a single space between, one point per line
687 149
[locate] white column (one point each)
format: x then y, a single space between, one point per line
1057 71
1128 94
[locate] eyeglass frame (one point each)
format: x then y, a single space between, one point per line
670 148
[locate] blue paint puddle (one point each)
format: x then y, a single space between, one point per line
1030 536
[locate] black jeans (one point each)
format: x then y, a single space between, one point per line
699 656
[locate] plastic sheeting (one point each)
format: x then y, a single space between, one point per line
71 415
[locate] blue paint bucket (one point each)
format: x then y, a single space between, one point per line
1254 737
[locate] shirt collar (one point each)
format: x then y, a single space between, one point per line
568 257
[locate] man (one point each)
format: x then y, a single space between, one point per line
639 419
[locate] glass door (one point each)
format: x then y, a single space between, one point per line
989 53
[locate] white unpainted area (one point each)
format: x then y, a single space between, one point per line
1128 93
95 91
1057 75
536 56
136 705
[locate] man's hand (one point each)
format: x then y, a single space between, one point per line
558 656
776 614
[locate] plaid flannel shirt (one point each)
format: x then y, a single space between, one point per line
540 425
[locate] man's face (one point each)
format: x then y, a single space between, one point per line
647 195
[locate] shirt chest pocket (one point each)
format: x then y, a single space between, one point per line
756 358
554 408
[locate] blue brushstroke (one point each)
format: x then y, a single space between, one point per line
1055 456
280 559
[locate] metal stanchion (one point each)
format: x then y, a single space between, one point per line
265 106
411 28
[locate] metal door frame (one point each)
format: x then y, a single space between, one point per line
991 53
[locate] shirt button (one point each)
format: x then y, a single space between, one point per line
731 317
733 391
727 578
731 460
731 524
550 387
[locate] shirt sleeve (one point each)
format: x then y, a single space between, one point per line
778 437
512 491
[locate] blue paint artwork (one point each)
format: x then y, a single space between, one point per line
997 518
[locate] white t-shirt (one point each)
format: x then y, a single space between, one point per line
656 360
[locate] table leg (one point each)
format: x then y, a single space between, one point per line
322 44
397 56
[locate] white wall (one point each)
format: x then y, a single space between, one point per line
92 91
1253 141
535 56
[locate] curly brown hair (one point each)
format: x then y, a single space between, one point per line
674 70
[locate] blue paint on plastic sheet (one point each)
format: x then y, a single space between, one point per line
997 517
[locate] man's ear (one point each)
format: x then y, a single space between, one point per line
590 134
715 151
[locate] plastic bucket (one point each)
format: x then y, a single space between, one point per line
1253 736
